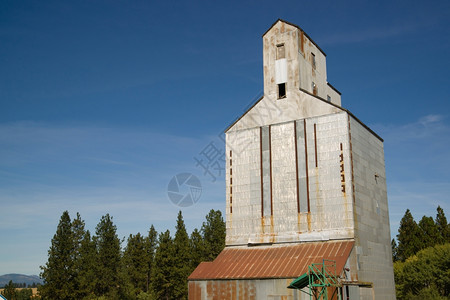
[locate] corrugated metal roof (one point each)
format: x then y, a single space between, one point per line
277 261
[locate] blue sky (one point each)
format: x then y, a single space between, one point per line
102 102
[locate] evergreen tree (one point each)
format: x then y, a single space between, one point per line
58 271
214 232
408 237
135 264
163 271
394 250
78 233
108 258
429 232
443 226
197 247
151 243
23 294
182 259
86 267
9 291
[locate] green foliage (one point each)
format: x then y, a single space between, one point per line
430 234
151 243
425 274
197 248
394 250
163 273
108 258
151 267
409 237
182 259
214 232
135 265
23 294
58 273
10 291
443 226
86 267
145 296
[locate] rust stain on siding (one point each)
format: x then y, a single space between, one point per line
209 288
308 218
315 144
306 166
195 290
270 165
233 290
342 171
296 167
302 42
272 234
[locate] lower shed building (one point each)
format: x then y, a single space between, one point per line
264 272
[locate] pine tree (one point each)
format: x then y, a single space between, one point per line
86 267
78 233
429 232
135 264
9 291
213 231
197 247
408 237
108 258
163 271
58 271
443 226
394 250
23 294
182 259
151 243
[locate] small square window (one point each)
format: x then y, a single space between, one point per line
313 60
282 90
280 51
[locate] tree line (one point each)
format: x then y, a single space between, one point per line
150 266
422 257
17 291
19 285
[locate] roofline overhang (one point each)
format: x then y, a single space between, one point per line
317 97
334 89
298 27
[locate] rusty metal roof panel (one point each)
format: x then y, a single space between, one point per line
276 261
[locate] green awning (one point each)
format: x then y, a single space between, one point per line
300 282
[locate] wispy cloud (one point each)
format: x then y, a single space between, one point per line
417 164
359 35
46 169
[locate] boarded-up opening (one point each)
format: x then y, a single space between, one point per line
280 51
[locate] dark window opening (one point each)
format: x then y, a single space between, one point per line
313 59
280 51
314 88
282 90
328 98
